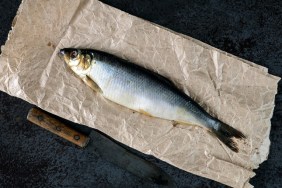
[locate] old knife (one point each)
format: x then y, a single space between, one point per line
104 147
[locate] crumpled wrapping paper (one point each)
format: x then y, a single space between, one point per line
236 91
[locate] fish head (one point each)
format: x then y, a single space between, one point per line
78 60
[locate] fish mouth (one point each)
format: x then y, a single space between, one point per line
61 53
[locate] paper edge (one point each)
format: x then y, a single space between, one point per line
14 22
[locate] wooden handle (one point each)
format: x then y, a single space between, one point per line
49 123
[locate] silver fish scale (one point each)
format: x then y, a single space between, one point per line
138 89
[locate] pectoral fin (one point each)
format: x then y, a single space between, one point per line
92 84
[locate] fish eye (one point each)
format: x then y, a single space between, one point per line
73 54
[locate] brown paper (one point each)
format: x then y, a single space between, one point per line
237 91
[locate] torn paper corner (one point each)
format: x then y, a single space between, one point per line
236 91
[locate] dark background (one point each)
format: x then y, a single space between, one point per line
32 157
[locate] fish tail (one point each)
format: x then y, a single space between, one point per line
225 133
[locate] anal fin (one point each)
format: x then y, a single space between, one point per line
177 123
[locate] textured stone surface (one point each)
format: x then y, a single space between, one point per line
32 157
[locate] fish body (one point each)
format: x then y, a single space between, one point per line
137 89
143 91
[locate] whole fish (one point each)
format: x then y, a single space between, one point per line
143 91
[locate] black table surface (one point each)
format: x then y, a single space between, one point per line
33 157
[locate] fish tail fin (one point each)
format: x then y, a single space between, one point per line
225 133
